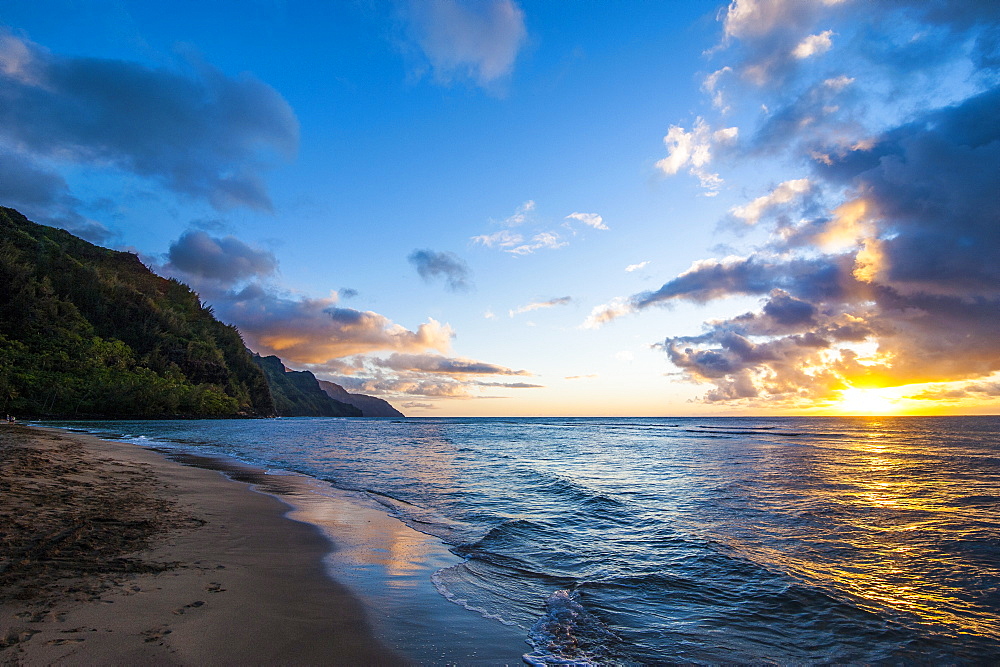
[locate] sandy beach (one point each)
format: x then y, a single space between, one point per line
113 554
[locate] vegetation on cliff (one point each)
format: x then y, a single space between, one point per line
370 406
86 331
298 393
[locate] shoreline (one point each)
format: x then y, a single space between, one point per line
356 567
113 554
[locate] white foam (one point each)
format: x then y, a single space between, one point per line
439 579
568 635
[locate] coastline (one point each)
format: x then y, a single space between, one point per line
113 554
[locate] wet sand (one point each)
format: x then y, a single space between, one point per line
112 554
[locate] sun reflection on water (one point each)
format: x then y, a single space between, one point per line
879 525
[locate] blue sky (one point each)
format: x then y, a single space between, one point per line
504 208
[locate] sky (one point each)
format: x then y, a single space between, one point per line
501 207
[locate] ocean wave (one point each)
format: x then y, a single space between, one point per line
569 635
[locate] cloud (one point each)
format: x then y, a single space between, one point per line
404 375
436 364
422 406
226 260
539 236
601 315
814 45
536 305
882 264
446 265
521 215
783 194
516 244
43 196
397 386
307 330
589 219
581 377
928 298
635 267
693 150
196 132
772 36
959 391
466 40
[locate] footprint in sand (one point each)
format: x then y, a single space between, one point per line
156 634
59 642
193 605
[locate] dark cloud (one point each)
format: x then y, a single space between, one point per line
431 363
226 260
430 386
445 265
43 196
923 283
787 310
199 133
978 390
933 190
819 277
886 270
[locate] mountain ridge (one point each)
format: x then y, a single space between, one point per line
89 332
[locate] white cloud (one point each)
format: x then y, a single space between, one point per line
606 312
515 244
838 82
539 241
635 267
589 219
561 301
759 18
783 194
503 239
520 215
694 150
711 86
814 45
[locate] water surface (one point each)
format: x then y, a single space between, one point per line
678 540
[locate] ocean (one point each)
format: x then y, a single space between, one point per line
684 540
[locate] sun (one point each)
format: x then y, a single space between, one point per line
857 401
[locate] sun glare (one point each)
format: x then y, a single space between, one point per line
857 401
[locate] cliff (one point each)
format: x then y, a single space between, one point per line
91 332
370 406
298 393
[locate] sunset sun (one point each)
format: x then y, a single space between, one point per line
858 401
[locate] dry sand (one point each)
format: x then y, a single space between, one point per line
111 554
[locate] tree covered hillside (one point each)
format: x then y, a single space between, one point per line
86 332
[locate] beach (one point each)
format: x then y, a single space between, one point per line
113 554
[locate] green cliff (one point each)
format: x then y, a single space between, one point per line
91 332
298 393
370 406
